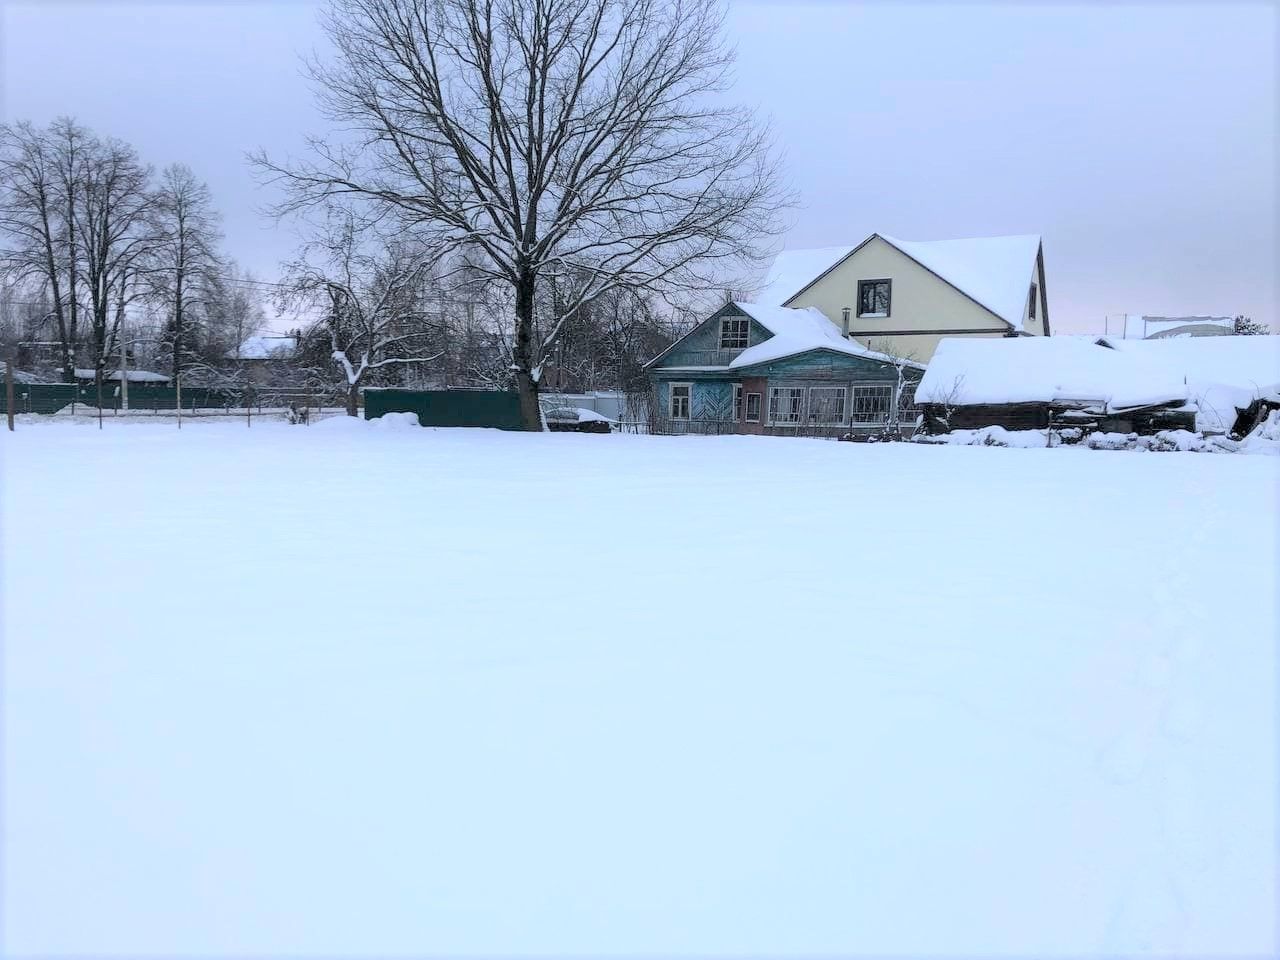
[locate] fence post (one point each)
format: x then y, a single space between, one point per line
8 390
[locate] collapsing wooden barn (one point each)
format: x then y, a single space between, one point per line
1033 383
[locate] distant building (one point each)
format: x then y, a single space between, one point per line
265 358
1134 326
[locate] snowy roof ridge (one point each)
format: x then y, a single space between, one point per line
798 330
995 272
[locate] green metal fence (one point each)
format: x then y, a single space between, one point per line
52 397
448 408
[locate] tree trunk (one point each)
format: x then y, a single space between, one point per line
353 400
522 354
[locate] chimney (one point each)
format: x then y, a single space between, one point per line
844 323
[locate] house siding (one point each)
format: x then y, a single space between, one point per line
923 308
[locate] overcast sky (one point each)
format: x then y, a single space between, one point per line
1139 141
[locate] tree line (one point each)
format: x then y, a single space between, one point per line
515 194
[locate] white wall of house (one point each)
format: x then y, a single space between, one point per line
923 308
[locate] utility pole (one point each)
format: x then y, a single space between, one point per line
178 384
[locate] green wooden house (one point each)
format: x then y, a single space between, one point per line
756 369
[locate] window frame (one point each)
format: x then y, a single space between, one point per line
867 385
844 405
747 418
739 404
744 335
1031 304
800 411
671 400
888 300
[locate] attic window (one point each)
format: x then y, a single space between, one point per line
1031 309
733 333
873 297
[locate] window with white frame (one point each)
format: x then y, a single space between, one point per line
680 397
737 402
753 408
871 402
908 411
733 333
786 404
826 405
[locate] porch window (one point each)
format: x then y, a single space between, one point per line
871 402
785 404
874 297
753 408
1031 307
737 402
826 405
733 333
680 394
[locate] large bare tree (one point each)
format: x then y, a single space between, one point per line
577 139
42 181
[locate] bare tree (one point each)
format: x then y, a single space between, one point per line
114 235
574 139
42 177
368 292
185 265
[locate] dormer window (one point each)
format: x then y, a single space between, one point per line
733 333
1031 309
873 297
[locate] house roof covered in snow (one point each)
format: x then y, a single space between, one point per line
798 331
1250 362
265 347
134 376
1002 370
993 271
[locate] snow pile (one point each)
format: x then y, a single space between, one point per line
348 694
395 421
797 331
1265 438
1002 370
995 271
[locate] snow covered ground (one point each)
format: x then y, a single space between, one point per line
357 689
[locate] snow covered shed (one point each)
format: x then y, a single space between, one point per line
756 369
1026 383
1224 375
903 296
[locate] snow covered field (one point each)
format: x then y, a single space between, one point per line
350 689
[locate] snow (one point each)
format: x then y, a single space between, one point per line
1000 370
265 347
793 270
321 710
1221 373
995 271
797 330
134 376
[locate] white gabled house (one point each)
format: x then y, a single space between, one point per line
902 296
